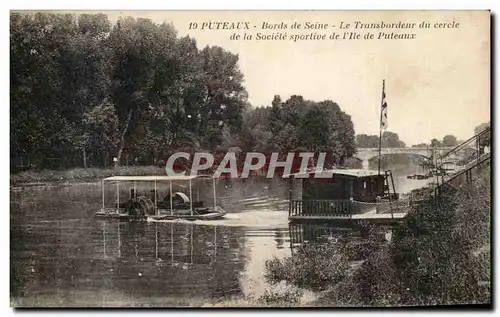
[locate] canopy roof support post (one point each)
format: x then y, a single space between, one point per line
102 186
156 199
215 200
190 197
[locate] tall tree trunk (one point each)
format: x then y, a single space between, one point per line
122 139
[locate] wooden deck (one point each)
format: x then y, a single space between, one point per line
384 219
348 211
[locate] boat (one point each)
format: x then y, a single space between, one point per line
341 193
144 200
418 176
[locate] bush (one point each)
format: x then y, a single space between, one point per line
315 266
440 255
281 294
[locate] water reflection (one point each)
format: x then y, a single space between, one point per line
357 233
62 256
172 259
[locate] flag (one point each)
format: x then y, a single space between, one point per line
383 114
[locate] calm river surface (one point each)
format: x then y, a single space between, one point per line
62 256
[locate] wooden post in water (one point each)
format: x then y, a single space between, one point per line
102 186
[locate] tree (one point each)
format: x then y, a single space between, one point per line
68 71
367 141
133 45
449 140
58 72
435 143
485 139
256 131
222 93
420 145
299 125
102 132
391 139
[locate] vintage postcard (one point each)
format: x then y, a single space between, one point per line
250 158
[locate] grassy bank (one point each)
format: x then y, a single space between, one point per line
81 174
440 255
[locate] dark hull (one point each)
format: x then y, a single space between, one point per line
218 213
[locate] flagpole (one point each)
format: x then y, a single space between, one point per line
380 127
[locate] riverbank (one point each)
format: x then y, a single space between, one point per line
440 255
79 175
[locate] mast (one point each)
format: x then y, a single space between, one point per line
380 126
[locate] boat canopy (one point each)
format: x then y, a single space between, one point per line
332 172
155 178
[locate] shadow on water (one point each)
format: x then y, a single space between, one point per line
62 256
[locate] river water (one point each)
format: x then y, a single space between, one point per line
62 256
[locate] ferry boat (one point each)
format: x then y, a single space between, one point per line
343 193
145 198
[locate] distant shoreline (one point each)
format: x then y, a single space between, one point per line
34 178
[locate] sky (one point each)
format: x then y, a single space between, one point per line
436 84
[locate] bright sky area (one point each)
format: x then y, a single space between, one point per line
437 84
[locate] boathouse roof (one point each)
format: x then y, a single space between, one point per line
340 172
154 178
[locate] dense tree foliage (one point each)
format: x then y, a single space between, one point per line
389 139
420 145
84 91
485 139
449 140
299 125
367 141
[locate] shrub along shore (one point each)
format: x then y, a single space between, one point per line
79 175
440 255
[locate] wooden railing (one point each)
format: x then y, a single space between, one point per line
320 208
468 153
464 177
